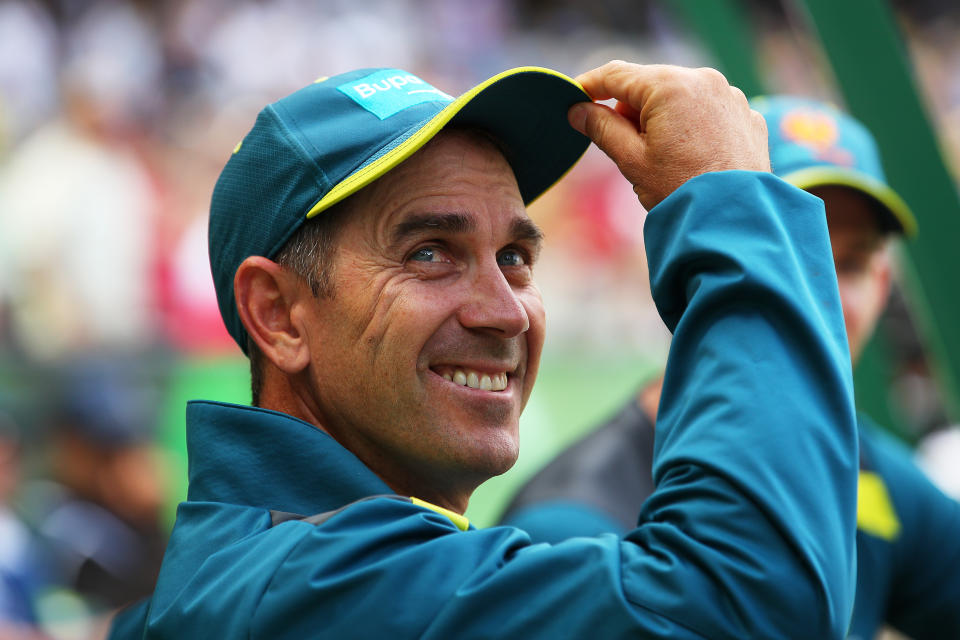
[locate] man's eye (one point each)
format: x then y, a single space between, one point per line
426 254
510 258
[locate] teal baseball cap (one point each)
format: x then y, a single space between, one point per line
814 144
319 145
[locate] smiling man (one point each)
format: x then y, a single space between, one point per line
434 325
373 256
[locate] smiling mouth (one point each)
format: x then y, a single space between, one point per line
475 379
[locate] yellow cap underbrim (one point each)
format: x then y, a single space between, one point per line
900 215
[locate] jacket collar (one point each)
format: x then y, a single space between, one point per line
262 458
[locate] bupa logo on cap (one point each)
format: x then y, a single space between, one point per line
390 91
817 131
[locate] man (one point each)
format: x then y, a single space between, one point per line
22 567
395 339
99 517
908 533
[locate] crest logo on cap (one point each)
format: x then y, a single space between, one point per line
819 132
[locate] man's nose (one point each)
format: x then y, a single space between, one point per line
493 304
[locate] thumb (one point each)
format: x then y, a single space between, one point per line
616 135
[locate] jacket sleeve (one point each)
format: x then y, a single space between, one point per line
750 531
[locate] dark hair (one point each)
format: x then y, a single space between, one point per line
308 253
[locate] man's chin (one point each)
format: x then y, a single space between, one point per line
492 458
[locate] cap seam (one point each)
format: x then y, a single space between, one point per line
320 178
367 154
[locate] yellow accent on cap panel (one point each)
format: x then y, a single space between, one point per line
826 176
237 148
361 178
875 512
460 521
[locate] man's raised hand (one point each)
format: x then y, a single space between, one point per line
669 124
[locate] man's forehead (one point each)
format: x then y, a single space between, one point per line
454 177
448 153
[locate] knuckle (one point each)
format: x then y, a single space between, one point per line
739 95
713 76
618 65
680 90
598 129
759 121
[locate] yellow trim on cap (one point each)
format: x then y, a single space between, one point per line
460 521
825 176
361 178
875 512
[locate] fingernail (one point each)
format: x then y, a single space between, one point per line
577 116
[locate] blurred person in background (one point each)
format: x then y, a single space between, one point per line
99 515
22 571
28 69
908 532
78 203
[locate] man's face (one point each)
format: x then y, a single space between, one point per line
426 352
863 265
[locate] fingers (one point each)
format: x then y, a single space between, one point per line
763 154
739 95
615 134
669 124
607 128
622 80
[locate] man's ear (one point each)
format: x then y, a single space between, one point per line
265 295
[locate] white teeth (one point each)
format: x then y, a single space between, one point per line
475 380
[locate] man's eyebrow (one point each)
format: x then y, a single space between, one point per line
432 223
453 222
527 229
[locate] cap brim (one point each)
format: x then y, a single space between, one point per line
897 213
525 109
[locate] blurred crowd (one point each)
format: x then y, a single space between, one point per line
115 119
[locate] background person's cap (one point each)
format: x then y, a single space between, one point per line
315 147
813 144
107 400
